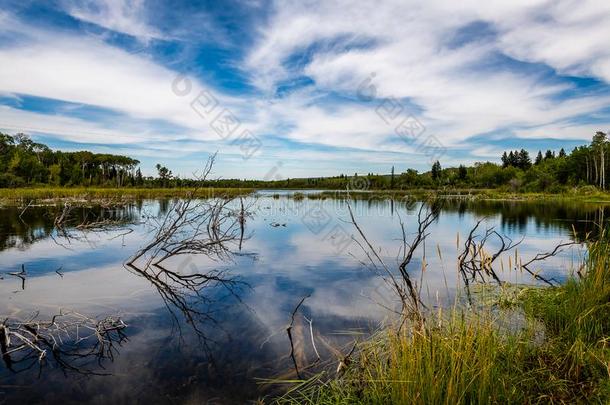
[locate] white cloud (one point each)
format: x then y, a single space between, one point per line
88 71
460 95
76 129
563 131
124 16
459 89
570 36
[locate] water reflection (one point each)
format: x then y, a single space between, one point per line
580 219
70 341
21 227
245 327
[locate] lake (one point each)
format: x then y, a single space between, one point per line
220 341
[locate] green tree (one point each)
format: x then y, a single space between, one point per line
511 159
55 175
599 145
436 171
523 160
505 160
463 172
139 180
164 174
409 178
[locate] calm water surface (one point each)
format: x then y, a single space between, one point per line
292 249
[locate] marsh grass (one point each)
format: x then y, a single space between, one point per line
9 195
92 193
555 349
576 195
577 320
580 308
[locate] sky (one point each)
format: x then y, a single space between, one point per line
305 88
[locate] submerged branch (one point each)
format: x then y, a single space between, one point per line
402 285
192 227
72 341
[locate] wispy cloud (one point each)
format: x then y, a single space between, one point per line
461 91
124 16
290 70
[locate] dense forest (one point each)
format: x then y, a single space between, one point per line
24 162
516 171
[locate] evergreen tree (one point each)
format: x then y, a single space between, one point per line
139 180
463 172
523 160
505 161
436 171
539 158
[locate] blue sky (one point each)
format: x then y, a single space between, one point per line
309 87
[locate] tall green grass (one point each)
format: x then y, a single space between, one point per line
580 308
557 351
577 320
92 193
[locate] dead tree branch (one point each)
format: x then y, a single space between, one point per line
543 256
289 332
194 227
69 225
401 283
210 227
22 275
70 340
475 261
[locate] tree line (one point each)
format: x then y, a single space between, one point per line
24 162
550 171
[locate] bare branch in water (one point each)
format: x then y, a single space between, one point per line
475 261
24 210
403 286
289 332
22 275
543 256
313 340
191 227
424 221
70 340
68 226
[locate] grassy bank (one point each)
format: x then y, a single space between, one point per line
476 194
556 351
91 193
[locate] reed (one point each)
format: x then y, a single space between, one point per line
93 193
554 350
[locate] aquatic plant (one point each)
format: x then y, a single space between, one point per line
544 344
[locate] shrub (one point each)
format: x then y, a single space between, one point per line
8 180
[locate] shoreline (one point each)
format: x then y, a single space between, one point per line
49 195
521 344
92 194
